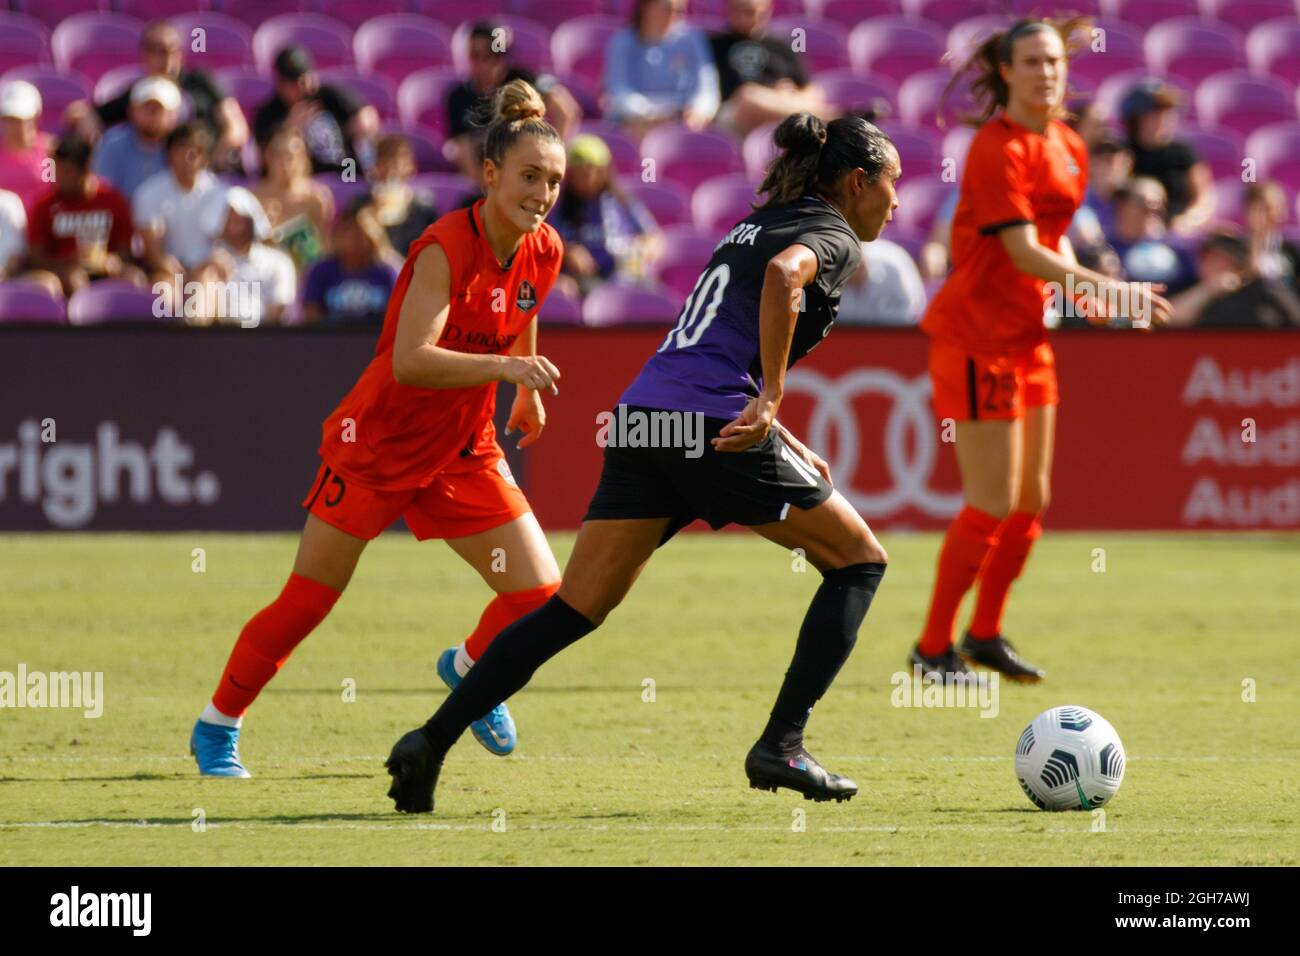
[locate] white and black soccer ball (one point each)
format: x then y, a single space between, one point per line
1069 758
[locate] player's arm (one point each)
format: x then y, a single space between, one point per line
1032 257
527 412
417 359
778 311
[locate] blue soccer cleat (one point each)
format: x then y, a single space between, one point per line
216 749
496 730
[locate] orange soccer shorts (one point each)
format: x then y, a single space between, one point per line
969 386
473 494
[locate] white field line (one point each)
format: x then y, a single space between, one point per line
380 758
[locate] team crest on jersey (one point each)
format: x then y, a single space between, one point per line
527 296
504 471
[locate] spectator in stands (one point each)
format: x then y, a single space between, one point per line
336 126
1150 114
660 69
761 78
935 257
13 235
81 230
352 286
1110 165
606 233
24 149
168 207
298 208
264 277
469 102
885 290
1228 293
1271 254
162 53
1139 237
400 209
127 155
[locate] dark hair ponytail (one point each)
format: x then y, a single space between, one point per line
814 154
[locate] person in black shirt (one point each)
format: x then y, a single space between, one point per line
761 79
1150 115
1231 294
336 126
469 102
403 211
162 54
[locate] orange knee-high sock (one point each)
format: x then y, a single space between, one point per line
505 609
1016 536
970 537
268 639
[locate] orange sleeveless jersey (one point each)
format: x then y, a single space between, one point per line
404 435
1013 176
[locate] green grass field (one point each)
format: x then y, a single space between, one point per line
1160 644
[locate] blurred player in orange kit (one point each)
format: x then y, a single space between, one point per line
414 438
991 367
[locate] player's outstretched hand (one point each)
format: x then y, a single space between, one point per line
1149 310
532 371
527 414
748 428
415 774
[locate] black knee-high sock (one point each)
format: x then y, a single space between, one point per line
505 667
829 631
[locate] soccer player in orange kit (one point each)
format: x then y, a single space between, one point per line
991 367
415 436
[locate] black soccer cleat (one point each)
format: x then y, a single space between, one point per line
996 653
768 769
942 665
415 773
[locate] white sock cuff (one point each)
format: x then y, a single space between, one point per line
211 715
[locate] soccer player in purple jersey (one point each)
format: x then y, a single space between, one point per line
768 295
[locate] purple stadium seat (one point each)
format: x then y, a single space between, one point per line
1021 8
560 309
622 303
528 44
249 88
396 45
1193 48
1145 13
1227 200
918 151
256 12
356 13
583 92
849 13
329 41
146 10
1274 48
849 90
824 42
227 41
428 149
54 12
447 189
1240 101
1244 13
117 80
578 45
112 300
895 47
719 203
918 198
955 146
58 89
94 43
948 13
624 152
669 203
422 98
686 252
1123 51
1221 150
1112 90
1276 151
375 90
557 11
452 13
29 302
24 41
758 150
920 95
967 34
689 157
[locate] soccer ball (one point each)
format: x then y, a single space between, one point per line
1069 758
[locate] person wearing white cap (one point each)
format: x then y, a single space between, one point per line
23 147
129 154
249 281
